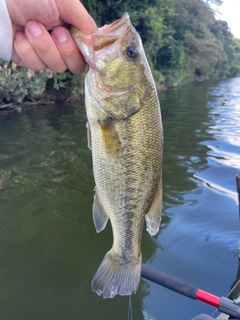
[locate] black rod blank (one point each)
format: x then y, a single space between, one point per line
169 282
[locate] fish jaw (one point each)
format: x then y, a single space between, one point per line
105 51
112 74
105 36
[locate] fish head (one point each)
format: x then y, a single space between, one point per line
114 53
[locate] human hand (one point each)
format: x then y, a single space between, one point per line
34 47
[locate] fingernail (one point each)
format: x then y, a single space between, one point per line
34 29
18 36
60 35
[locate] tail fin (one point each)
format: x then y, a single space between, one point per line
116 276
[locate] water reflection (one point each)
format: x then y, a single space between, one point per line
49 249
200 163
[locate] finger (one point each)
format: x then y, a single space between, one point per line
44 46
73 12
24 54
44 11
15 57
68 50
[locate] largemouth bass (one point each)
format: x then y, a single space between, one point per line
126 138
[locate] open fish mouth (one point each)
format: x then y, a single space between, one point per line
104 36
115 26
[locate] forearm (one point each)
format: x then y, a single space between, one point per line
6 41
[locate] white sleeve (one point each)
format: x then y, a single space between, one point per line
6 41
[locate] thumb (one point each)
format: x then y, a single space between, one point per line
74 13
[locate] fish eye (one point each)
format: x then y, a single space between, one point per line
132 51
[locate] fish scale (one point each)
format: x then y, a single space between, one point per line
126 138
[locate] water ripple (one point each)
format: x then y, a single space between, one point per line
217 188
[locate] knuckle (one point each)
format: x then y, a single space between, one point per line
24 50
36 67
44 46
40 68
68 50
78 69
58 66
61 69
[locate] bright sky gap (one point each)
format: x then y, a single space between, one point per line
229 11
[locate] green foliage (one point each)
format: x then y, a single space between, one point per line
77 85
18 85
182 39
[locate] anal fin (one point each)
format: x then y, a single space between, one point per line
100 217
89 136
154 215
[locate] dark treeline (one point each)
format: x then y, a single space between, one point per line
182 38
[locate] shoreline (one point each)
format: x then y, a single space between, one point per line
10 107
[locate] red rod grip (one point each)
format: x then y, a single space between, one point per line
208 298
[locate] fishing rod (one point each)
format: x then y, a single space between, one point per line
238 189
223 304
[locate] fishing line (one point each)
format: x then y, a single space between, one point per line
238 282
234 287
130 311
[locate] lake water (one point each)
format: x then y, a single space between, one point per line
49 249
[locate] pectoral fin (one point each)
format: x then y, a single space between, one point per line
100 217
154 215
89 136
